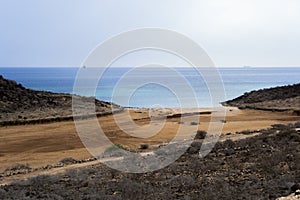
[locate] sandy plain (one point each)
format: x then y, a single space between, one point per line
46 144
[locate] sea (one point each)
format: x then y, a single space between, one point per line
155 87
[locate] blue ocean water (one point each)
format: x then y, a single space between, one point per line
236 82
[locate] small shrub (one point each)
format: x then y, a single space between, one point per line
295 136
280 126
43 179
68 161
72 173
144 146
228 144
194 123
115 147
18 167
287 132
194 148
196 144
200 134
246 132
295 187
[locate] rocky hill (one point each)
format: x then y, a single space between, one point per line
19 104
278 98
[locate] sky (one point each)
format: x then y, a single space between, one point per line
234 33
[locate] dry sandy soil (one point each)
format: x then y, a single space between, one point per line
43 144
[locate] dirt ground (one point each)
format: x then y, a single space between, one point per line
43 144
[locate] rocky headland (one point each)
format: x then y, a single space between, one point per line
284 98
19 105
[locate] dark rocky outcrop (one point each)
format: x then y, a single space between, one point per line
19 105
282 98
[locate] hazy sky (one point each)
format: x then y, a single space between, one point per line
233 32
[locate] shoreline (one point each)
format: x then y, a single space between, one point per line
63 118
173 112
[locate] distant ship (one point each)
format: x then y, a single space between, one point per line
247 66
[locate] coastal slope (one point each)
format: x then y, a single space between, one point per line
19 104
283 98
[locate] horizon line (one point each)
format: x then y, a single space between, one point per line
69 66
